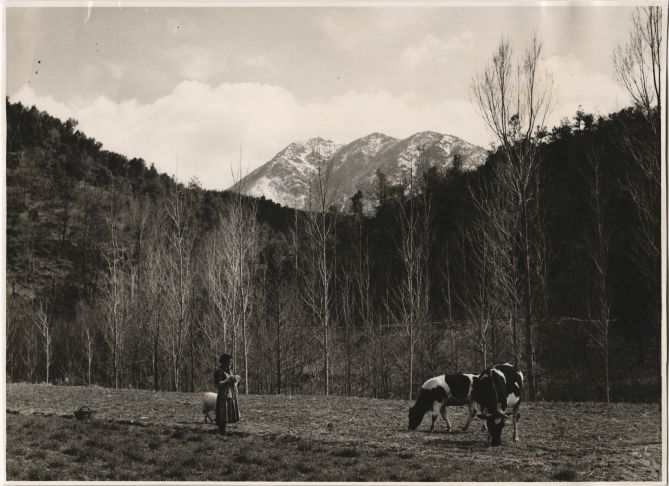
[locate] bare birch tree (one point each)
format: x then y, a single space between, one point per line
177 278
44 323
598 254
318 272
638 63
240 247
87 329
514 99
153 301
481 295
638 67
215 326
114 304
362 276
413 293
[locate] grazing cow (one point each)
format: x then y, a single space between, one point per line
440 392
494 390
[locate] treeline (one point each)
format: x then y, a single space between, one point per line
548 256
117 275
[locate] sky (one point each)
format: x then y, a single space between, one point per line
195 89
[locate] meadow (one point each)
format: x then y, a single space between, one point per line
143 435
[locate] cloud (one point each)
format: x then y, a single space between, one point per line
577 85
338 33
195 62
198 129
431 48
355 114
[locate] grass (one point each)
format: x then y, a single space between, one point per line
143 436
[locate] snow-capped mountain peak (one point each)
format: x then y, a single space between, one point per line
286 177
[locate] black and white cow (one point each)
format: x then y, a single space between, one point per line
495 390
440 392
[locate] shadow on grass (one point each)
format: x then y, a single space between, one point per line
464 444
446 432
565 475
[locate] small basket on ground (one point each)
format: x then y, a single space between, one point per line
84 412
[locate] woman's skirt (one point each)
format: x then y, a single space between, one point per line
227 409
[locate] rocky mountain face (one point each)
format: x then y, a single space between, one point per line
287 177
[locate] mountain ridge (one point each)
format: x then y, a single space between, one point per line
285 177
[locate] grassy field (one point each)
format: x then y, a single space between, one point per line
142 435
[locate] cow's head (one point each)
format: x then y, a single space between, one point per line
494 423
416 414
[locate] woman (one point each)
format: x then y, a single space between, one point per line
227 409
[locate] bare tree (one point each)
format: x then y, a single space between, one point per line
346 318
153 299
16 337
598 254
177 278
478 304
215 326
638 63
362 277
413 293
31 352
514 99
114 304
318 272
44 323
240 239
87 329
481 245
638 68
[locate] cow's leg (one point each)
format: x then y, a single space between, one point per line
516 418
434 414
488 437
444 414
472 413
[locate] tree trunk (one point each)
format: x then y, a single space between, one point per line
411 352
48 346
278 355
607 383
529 346
484 353
326 358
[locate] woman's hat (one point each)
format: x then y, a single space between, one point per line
225 357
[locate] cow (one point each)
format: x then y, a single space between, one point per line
440 392
494 390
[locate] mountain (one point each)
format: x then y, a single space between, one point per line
285 178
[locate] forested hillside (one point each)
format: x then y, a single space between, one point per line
120 276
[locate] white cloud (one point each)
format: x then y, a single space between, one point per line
431 48
353 114
198 129
577 85
195 62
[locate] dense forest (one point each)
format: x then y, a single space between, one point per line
120 276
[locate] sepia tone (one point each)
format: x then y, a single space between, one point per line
319 243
